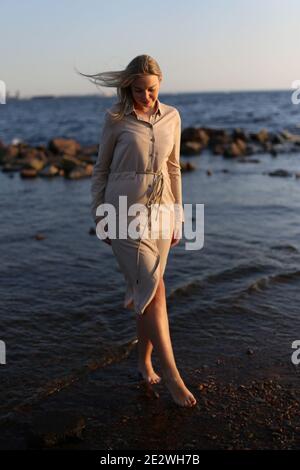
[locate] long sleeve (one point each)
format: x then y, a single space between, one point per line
102 165
174 171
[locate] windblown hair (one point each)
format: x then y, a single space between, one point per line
122 80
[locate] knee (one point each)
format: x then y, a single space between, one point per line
160 292
158 299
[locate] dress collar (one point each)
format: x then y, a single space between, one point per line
130 108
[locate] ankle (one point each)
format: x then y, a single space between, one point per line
171 374
144 363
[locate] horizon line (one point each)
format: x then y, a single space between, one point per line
99 95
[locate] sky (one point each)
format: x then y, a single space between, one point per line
200 45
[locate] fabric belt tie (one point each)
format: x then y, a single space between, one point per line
155 194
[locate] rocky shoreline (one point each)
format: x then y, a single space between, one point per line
67 158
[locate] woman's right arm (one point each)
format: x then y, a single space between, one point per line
102 165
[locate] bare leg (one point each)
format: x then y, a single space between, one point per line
155 322
145 348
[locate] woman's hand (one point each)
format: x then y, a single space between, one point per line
175 239
106 240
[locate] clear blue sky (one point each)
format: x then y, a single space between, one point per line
200 45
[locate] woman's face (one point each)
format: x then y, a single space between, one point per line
145 91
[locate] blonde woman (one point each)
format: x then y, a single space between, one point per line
139 157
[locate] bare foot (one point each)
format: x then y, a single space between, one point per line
148 374
180 393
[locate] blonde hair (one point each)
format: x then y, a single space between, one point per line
122 80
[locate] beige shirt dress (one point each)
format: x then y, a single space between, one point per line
140 159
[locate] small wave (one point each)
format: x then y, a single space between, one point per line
242 270
186 290
281 278
258 285
115 354
290 248
231 274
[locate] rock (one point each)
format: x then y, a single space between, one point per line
242 146
233 150
11 152
31 153
186 166
49 171
53 158
80 172
89 169
90 150
85 158
191 148
277 139
35 163
252 149
39 236
193 134
30 157
3 150
294 138
28 173
218 149
240 134
208 172
68 163
262 136
64 146
267 147
218 136
204 137
280 172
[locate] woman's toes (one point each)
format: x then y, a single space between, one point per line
193 401
155 379
149 376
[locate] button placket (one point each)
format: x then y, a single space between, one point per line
151 156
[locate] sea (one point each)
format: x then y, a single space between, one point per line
61 298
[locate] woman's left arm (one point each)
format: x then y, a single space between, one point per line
174 170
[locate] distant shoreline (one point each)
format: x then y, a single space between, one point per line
170 93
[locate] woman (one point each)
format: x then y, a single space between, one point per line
139 158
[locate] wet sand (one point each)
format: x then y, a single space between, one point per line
242 404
